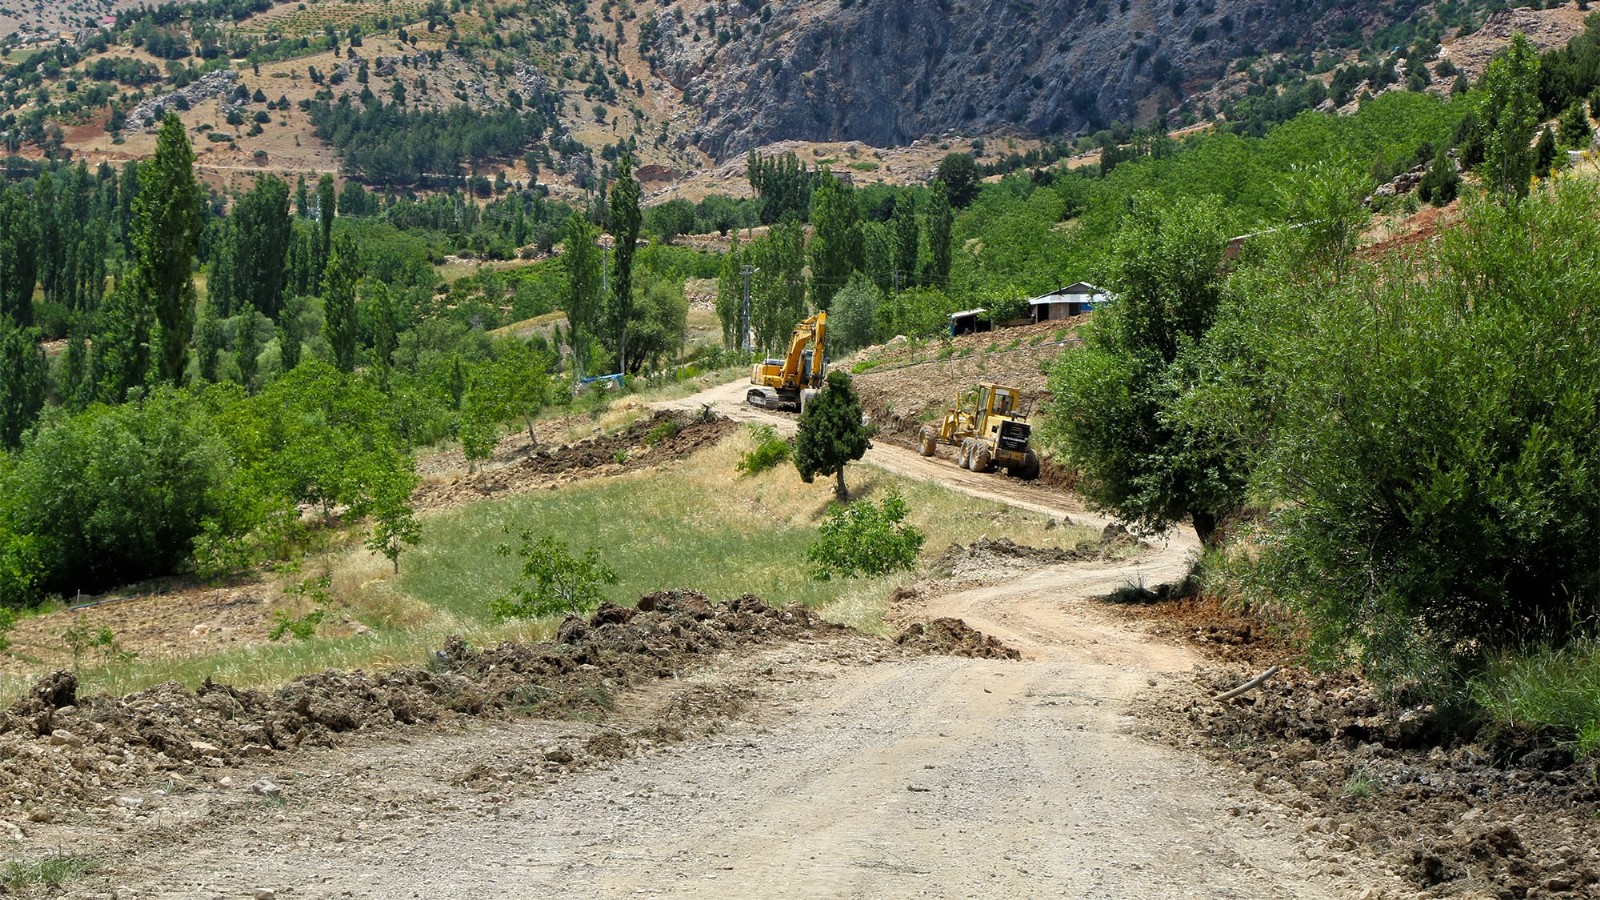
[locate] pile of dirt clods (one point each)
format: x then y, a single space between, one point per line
58 747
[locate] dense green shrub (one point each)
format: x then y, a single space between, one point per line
865 538
1431 445
115 494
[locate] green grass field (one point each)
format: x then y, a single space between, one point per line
690 524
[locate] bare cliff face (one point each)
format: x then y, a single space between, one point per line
886 72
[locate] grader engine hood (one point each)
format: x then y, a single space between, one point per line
1014 436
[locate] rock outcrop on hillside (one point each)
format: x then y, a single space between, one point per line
888 71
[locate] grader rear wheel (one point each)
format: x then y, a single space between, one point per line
964 459
1029 470
981 458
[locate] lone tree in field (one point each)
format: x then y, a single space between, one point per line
831 433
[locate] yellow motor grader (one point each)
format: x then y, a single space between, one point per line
990 427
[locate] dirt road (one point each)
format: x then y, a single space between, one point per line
728 400
853 774
849 770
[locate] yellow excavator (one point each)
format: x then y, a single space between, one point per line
789 382
991 429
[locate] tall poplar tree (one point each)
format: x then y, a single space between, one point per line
836 243
625 221
261 254
166 233
19 255
22 382
1510 111
582 259
339 302
941 219
907 239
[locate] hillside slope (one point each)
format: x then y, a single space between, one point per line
887 71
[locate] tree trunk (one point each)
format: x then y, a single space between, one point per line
1205 526
839 489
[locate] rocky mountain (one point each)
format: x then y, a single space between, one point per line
887 71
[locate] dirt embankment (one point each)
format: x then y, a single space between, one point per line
909 386
664 437
57 747
1454 814
59 750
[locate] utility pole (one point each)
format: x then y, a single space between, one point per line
897 281
744 330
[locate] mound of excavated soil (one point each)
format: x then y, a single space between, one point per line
1457 818
989 557
953 637
56 747
664 437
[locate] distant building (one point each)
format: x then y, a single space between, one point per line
968 321
1064 303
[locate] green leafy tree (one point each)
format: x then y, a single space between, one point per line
208 342
907 237
261 254
339 302
782 183
1432 457
1575 127
877 254
670 219
661 320
852 323
1544 152
582 260
831 433
386 484
778 286
247 346
289 339
730 295
836 239
76 389
166 232
958 172
22 382
1441 182
1509 109
19 255
941 221
625 222
553 580
116 494
122 341
865 538
1113 397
